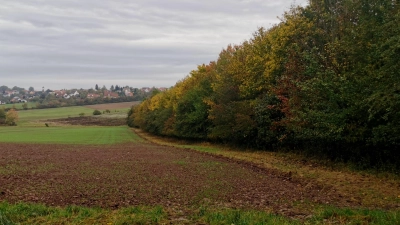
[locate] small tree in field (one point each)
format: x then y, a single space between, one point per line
25 106
12 117
96 112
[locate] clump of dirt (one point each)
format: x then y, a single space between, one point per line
91 121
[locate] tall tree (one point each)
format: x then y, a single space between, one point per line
3 88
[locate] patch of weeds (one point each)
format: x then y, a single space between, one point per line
211 192
207 149
331 215
140 215
131 210
24 212
202 211
181 162
211 164
4 220
239 217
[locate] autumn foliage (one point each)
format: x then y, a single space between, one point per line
325 80
12 117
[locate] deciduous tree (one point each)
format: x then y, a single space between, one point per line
12 117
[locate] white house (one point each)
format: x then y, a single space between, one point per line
127 91
15 100
76 93
8 94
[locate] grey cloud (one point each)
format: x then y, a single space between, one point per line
138 42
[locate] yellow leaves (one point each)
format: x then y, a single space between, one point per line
12 117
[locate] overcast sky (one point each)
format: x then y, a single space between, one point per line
79 43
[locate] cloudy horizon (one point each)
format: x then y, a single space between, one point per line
67 44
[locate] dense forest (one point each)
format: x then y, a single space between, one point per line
324 81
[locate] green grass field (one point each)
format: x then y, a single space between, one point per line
67 135
32 116
31 128
19 105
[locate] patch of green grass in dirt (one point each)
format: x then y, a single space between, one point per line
68 135
13 167
28 213
208 149
181 162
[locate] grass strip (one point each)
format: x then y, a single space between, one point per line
68 135
28 213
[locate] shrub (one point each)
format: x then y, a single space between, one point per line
12 117
96 112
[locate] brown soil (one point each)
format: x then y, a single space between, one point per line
149 174
113 106
365 189
90 121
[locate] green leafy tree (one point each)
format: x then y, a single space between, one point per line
191 118
3 89
2 115
96 112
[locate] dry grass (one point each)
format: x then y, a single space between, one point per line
371 190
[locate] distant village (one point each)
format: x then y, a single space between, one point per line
54 98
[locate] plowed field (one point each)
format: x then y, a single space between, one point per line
147 174
113 106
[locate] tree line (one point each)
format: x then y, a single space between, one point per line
324 81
